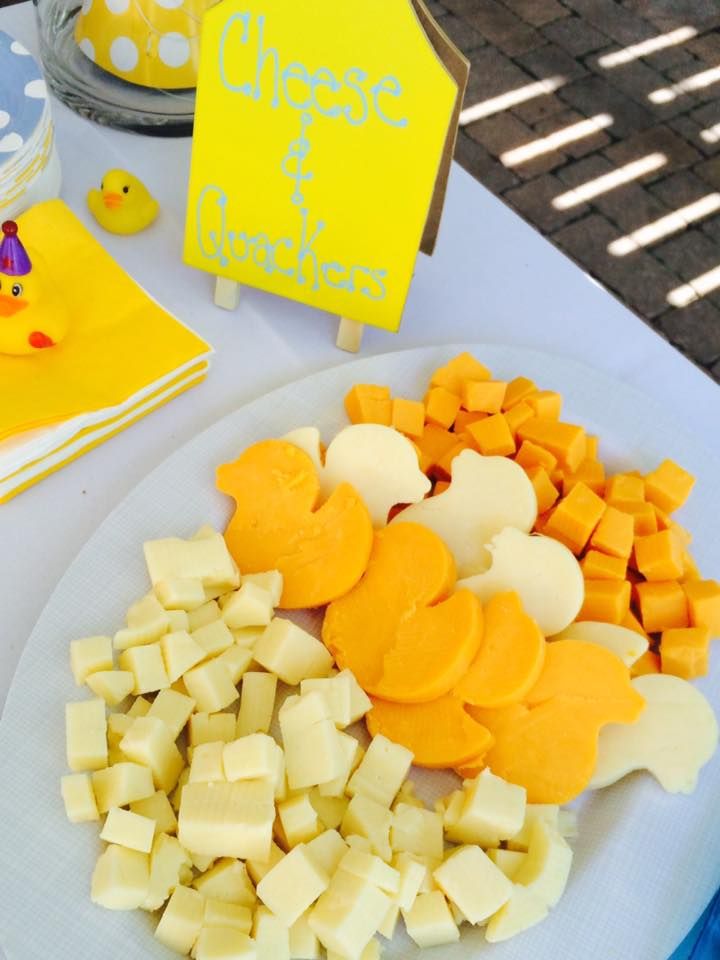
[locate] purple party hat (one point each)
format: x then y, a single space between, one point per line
14 260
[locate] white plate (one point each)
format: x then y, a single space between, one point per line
645 864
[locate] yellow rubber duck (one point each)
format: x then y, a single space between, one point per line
33 315
122 204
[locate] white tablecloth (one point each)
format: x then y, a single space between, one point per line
492 278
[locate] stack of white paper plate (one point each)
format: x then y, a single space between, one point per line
29 165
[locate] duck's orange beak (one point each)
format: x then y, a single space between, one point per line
112 200
9 306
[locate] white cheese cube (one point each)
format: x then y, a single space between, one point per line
139 707
522 910
412 874
89 655
428 881
182 920
227 819
118 725
348 914
533 811
207 763
78 797
330 810
406 794
146 610
304 945
227 880
128 829
213 638
270 580
248 636
120 879
546 867
177 620
292 885
371 868
356 842
158 808
221 914
369 819
210 686
258 868
176 795
201 862
352 754
206 559
381 771
416 830
271 935
208 613
336 691
142 634
180 595
209 727
327 850
224 943
257 702
236 660
174 709
389 925
170 866
86 735
250 758
121 784
250 606
360 703
291 652
429 921
311 741
493 810
180 653
148 741
508 861
147 666
472 881
112 685
297 820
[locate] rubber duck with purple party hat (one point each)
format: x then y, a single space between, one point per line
33 315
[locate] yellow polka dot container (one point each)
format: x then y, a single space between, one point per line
152 43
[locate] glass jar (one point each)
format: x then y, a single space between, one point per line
125 63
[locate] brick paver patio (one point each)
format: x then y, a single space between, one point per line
594 119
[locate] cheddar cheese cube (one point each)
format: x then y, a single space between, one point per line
546 404
624 489
517 390
369 403
408 416
599 566
703 599
668 486
591 473
483 396
443 468
433 445
605 600
462 367
566 441
644 518
441 407
492 436
662 605
649 662
516 416
545 491
464 418
685 652
614 533
531 455
573 520
659 556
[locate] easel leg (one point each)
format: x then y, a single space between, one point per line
349 335
227 293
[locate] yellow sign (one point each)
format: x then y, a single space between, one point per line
319 131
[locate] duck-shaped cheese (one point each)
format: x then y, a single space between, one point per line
122 204
33 315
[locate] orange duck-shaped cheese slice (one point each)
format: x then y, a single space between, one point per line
320 549
33 315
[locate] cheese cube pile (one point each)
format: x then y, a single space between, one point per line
302 846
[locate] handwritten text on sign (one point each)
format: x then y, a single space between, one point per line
319 128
